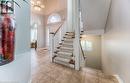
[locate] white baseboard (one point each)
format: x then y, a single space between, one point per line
118 79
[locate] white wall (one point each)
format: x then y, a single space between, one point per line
22 27
39 20
93 52
19 70
116 41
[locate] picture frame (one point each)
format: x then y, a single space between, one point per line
6 7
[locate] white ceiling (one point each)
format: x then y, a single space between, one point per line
94 14
51 6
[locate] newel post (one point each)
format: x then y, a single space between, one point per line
51 39
76 25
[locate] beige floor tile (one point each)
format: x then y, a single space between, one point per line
106 81
43 71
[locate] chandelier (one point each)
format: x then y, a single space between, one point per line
37 5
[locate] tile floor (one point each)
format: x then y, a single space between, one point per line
43 71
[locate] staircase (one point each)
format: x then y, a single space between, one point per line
64 52
65 47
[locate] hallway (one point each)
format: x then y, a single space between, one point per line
43 71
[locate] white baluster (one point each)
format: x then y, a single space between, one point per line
55 39
51 46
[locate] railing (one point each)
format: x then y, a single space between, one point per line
81 48
82 57
56 36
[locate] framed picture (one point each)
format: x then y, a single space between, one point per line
6 7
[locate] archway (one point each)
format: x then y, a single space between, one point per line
53 19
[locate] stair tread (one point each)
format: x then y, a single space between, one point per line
68 40
60 50
67 43
65 53
62 56
68 48
69 36
65 64
70 33
62 59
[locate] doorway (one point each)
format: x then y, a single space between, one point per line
34 28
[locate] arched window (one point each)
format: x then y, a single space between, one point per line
54 18
34 32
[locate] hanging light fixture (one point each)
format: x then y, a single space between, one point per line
37 5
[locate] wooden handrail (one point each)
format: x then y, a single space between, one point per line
58 29
82 50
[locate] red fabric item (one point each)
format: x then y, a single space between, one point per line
7 34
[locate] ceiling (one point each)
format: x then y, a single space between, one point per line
94 15
52 6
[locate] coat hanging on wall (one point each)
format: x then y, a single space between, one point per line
7 32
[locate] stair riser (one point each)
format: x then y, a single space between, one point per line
68 37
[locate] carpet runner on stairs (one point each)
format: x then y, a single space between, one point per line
64 53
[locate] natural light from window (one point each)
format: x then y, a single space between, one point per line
54 18
34 33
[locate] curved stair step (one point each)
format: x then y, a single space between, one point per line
66 57
63 50
62 59
66 48
69 44
63 62
65 53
